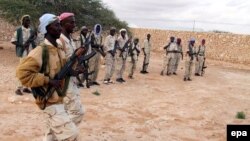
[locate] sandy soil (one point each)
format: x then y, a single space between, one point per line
148 108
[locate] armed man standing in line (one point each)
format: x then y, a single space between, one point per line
110 46
121 55
72 100
24 39
83 39
178 55
133 54
201 55
169 60
190 56
97 46
38 71
146 51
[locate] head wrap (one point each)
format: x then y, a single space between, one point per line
24 16
123 29
112 28
84 27
65 15
192 39
45 20
95 27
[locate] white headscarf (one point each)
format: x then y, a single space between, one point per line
123 29
95 32
45 20
126 35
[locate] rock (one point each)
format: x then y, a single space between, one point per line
12 99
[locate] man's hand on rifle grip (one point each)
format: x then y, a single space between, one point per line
56 83
80 51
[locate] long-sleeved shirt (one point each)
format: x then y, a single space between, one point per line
28 71
147 46
69 48
109 43
191 52
122 41
201 50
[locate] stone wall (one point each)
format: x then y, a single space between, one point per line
220 46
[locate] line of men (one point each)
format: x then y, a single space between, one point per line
174 53
40 64
42 57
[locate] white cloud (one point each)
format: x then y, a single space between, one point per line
225 15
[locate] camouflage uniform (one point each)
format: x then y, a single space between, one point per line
178 57
169 60
189 61
72 100
109 58
147 48
121 57
81 41
59 123
133 58
94 62
200 56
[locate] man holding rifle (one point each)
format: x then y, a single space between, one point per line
97 46
23 39
121 55
40 69
84 38
146 49
72 99
110 46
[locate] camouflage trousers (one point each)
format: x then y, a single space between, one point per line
72 102
110 66
168 63
188 69
146 62
94 66
120 66
59 126
199 64
74 114
132 65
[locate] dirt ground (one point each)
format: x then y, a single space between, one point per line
148 108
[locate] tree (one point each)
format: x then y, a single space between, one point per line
87 12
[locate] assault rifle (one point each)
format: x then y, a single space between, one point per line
83 61
126 45
113 52
44 95
203 68
131 51
26 45
97 47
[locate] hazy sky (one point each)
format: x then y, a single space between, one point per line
224 15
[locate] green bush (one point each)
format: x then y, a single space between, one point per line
240 115
87 12
96 93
